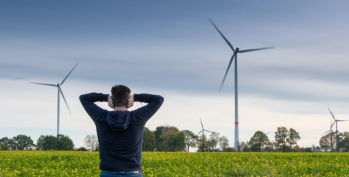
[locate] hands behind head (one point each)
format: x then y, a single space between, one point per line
129 102
110 102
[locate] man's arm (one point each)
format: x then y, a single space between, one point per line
146 112
87 101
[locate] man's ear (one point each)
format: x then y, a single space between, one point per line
127 101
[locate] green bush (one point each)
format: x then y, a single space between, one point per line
81 149
5 148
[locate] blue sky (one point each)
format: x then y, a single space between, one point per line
170 48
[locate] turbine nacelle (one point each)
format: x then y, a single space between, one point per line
237 50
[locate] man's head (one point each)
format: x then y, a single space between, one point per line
120 95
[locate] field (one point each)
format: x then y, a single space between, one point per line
77 163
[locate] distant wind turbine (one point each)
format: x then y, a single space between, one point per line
203 131
335 121
236 51
59 91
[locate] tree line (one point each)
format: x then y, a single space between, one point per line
169 139
44 142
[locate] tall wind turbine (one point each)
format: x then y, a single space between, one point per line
59 91
236 51
203 131
335 121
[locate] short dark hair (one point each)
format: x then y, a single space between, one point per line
120 95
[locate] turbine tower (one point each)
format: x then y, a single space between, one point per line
59 91
335 121
236 51
203 132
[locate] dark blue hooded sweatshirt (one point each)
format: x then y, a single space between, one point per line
120 133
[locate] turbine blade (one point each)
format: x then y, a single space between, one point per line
341 120
201 123
331 114
69 73
326 132
333 124
53 85
250 50
268 132
231 60
208 131
231 46
199 132
60 90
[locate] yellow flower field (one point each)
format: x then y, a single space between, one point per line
78 163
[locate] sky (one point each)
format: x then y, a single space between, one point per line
169 48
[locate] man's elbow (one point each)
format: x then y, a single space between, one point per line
161 99
81 97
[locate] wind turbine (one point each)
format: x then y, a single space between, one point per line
236 51
335 121
59 91
203 131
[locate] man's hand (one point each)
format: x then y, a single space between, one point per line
110 102
130 101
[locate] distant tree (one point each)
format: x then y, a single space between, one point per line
223 143
228 149
343 144
47 142
175 142
65 143
149 141
189 139
293 137
81 149
168 138
91 141
202 143
213 141
50 142
244 146
158 133
258 140
284 137
324 144
4 141
22 142
269 147
296 148
328 141
308 149
5 148
97 147
12 144
281 137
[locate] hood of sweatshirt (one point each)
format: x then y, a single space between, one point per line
118 120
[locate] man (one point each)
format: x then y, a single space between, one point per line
120 132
